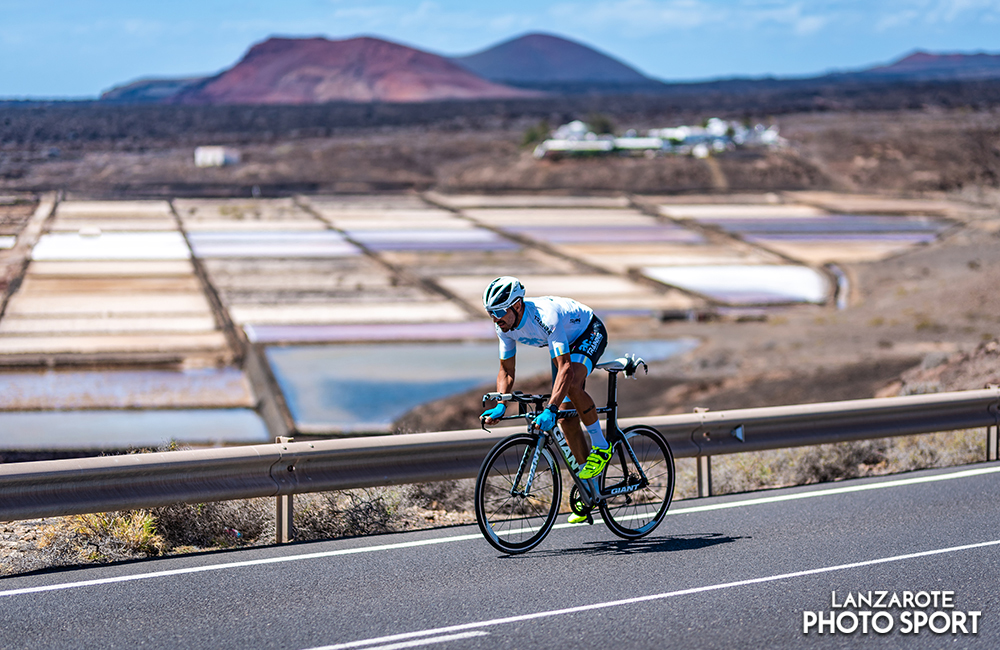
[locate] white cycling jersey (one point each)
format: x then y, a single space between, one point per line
548 320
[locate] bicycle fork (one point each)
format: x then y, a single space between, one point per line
534 454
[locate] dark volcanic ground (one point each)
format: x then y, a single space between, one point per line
901 138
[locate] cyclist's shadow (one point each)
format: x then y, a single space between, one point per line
670 544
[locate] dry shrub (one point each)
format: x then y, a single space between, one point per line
220 523
944 449
686 478
453 496
821 463
91 538
56 544
839 461
755 471
123 535
350 512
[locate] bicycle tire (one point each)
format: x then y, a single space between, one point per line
638 513
517 523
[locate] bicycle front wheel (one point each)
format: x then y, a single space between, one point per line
633 514
513 516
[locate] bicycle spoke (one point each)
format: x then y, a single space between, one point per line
512 520
644 508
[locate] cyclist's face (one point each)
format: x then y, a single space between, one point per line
508 320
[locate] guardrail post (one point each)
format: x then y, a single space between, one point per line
283 510
283 519
992 436
704 476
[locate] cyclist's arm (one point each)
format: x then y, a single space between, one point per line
505 377
505 382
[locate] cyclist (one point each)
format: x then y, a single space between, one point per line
576 339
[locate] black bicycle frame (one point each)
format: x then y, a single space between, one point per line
589 491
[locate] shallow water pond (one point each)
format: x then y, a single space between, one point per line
365 387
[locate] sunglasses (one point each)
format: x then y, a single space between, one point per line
498 313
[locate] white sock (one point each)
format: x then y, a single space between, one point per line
596 435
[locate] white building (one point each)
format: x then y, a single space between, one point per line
215 156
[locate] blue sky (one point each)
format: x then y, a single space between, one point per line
76 49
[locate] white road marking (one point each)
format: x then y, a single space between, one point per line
816 493
410 644
645 599
463 538
233 565
841 490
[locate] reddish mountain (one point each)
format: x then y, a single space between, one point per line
317 70
926 65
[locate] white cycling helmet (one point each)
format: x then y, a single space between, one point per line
501 294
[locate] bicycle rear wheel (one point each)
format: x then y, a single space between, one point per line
637 513
511 519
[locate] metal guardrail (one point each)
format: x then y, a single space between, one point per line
76 486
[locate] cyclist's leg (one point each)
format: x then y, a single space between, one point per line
585 352
578 441
582 401
578 444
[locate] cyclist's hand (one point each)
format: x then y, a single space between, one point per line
545 420
492 415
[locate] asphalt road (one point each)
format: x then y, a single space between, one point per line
736 571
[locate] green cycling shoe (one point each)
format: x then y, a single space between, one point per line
596 462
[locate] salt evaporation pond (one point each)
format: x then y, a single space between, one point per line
364 388
107 430
746 284
124 389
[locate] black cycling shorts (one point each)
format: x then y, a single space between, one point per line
588 347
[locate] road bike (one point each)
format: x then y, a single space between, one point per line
519 487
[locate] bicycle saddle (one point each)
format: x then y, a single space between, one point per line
627 364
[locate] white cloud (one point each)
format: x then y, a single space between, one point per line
807 25
900 18
141 27
948 11
428 15
909 13
647 17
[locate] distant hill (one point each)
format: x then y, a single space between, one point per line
928 66
317 70
148 91
548 62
